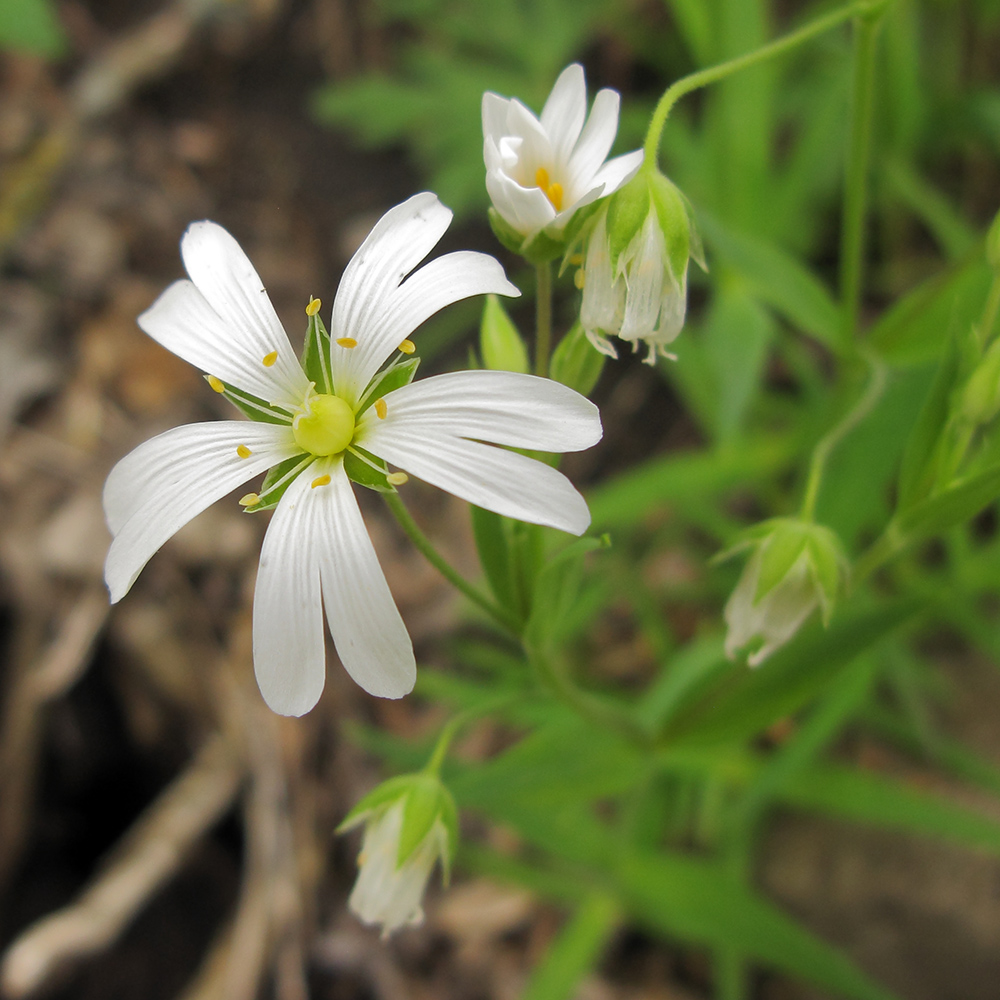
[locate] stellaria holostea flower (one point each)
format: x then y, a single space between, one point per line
794 567
540 171
410 823
342 416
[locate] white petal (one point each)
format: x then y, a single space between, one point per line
183 322
156 489
564 113
247 324
603 296
644 277
521 411
526 208
400 240
494 116
502 481
535 149
289 649
443 281
369 633
617 172
595 142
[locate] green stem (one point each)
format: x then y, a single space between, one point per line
713 74
424 544
855 206
603 713
821 453
455 723
543 318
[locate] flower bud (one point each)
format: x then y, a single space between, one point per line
794 567
981 395
410 823
499 342
635 267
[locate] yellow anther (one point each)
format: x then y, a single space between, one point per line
396 478
269 359
347 342
320 481
313 307
554 192
215 383
542 178
243 451
578 278
576 260
249 500
407 347
381 409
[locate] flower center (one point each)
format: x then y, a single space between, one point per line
325 426
553 191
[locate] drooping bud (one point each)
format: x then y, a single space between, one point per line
794 567
635 266
410 823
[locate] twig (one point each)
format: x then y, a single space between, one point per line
148 855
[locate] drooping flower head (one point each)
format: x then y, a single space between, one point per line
410 824
635 264
342 414
794 567
540 171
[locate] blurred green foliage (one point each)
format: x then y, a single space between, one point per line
649 807
31 26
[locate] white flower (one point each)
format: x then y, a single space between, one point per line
794 568
539 172
316 551
389 892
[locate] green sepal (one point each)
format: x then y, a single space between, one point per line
420 811
500 343
828 567
316 355
252 406
578 229
778 554
672 215
360 472
539 248
394 377
575 362
270 491
385 795
628 209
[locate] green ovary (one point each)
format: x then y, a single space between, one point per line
326 427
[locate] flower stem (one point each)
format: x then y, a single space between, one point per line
713 74
456 722
424 544
855 205
861 409
543 318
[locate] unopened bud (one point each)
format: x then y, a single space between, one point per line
499 341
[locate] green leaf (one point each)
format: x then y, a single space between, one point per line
495 557
954 506
31 26
575 950
499 342
775 277
878 800
751 700
380 797
576 362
